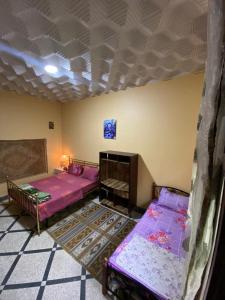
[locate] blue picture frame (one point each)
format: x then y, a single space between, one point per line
110 129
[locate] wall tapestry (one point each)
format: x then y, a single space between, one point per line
22 158
110 129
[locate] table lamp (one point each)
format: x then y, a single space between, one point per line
64 161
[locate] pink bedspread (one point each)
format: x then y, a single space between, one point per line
85 184
64 189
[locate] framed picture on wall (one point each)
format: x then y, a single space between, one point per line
109 129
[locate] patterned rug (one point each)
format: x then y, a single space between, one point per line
120 208
91 234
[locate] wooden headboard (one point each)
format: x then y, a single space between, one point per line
157 188
83 162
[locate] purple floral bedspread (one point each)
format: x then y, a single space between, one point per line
153 254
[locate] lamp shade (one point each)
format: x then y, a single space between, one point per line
64 160
64 157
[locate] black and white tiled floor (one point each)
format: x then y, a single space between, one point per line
35 267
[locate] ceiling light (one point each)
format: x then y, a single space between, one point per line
51 69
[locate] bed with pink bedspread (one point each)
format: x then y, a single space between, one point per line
64 189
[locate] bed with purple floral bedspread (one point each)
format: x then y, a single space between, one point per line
153 254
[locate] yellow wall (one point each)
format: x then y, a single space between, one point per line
157 121
26 117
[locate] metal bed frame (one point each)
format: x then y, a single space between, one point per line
146 294
31 203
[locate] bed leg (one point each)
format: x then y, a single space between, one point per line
9 198
130 209
38 223
105 277
38 227
46 223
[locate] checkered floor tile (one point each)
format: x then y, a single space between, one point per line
35 267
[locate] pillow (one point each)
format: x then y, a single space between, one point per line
173 200
75 169
90 173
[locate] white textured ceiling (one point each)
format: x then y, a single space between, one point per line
98 45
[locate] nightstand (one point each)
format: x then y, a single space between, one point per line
58 170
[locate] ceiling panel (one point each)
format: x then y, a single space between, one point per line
98 45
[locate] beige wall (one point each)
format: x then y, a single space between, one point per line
26 117
157 121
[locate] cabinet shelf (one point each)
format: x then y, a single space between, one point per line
108 160
120 188
116 184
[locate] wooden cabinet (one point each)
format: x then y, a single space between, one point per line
118 177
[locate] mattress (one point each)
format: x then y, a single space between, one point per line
85 184
152 253
65 189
